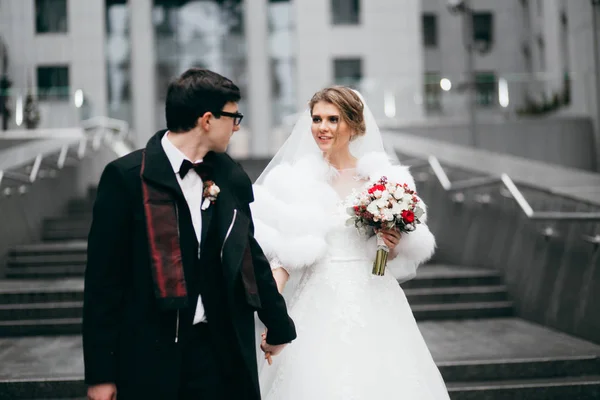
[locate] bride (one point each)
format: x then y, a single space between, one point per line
357 337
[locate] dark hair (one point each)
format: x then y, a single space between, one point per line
347 101
196 92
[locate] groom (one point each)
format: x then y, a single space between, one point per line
174 274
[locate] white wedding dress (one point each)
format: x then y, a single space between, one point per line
357 337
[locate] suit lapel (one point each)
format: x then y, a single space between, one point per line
224 216
158 169
159 173
206 220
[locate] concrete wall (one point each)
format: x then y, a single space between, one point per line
554 282
23 216
566 141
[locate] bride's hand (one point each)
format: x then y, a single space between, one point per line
263 342
391 237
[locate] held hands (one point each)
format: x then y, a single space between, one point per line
103 391
391 237
269 349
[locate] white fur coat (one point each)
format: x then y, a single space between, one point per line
292 211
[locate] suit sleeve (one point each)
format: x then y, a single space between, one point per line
273 313
108 255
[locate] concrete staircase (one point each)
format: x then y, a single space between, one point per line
465 315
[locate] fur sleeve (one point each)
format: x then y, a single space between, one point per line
290 220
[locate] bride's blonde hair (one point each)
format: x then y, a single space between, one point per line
347 101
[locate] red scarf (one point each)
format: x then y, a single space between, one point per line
162 225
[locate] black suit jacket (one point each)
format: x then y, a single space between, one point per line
127 338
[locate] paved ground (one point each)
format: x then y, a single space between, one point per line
499 338
449 341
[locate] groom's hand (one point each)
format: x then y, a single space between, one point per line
273 349
103 391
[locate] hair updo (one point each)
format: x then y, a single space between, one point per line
347 101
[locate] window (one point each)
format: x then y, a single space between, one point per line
433 91
483 30
51 16
348 71
345 12
430 34
485 89
53 82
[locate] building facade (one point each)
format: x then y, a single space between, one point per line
407 57
520 54
121 54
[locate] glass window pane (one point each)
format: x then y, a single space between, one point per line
430 30
485 84
199 33
51 16
118 60
283 59
344 12
53 82
433 91
483 28
348 71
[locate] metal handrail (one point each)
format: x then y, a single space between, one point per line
515 193
96 131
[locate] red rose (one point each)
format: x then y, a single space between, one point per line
408 216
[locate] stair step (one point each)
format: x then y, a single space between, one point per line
41 297
444 276
456 294
67 222
65 234
53 388
66 229
65 247
49 310
511 369
46 272
80 206
580 388
40 327
468 310
46 260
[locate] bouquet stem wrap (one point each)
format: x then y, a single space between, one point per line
381 257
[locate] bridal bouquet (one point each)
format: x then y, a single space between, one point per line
385 205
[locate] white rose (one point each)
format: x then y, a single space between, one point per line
388 215
381 203
377 194
403 204
214 190
372 208
396 208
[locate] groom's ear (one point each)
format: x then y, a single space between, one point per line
205 120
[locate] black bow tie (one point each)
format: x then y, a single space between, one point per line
203 169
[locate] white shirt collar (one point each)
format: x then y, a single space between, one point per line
174 155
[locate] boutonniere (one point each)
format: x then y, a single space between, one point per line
210 193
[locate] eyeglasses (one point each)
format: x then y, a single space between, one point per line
237 117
